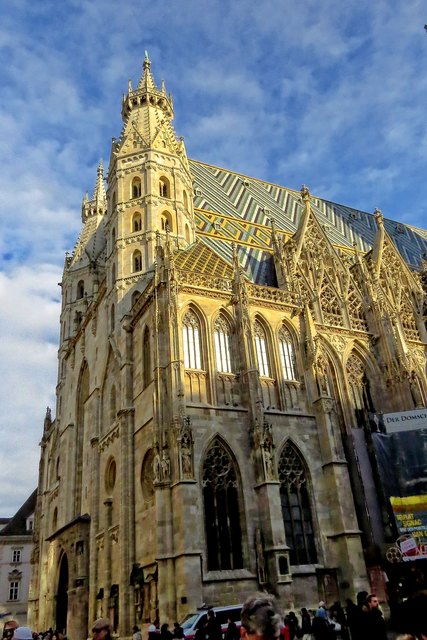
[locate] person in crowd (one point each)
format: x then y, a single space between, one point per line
337 614
413 617
292 621
22 633
305 623
373 623
355 613
321 628
232 632
152 632
178 631
165 634
213 627
136 633
9 628
260 618
101 629
284 632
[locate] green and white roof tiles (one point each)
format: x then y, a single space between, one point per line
244 207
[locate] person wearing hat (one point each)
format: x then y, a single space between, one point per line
23 633
101 629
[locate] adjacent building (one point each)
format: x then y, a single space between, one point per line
16 546
223 341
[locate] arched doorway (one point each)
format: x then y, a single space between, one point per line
62 596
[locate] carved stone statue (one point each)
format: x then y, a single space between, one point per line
260 557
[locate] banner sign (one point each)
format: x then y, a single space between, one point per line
410 514
405 420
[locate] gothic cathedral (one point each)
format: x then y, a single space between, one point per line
223 343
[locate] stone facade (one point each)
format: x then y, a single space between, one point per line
218 344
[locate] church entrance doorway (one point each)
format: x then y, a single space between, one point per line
62 596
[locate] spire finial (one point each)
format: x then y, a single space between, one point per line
379 218
305 193
99 195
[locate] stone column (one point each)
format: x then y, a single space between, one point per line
94 527
107 553
344 533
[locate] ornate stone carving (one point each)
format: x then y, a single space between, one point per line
267 450
185 448
112 435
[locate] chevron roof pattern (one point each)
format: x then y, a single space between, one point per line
233 208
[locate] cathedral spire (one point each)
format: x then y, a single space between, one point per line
147 94
98 203
299 236
378 247
99 195
147 81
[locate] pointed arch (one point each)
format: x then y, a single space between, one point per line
136 188
164 187
191 340
166 221
80 289
330 304
296 505
113 403
408 321
359 387
62 595
287 353
223 508
136 222
262 350
224 352
136 261
110 393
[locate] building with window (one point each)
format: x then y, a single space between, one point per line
16 546
222 341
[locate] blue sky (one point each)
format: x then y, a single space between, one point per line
331 94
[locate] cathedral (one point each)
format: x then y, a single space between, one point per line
223 344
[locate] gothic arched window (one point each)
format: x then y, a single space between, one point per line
222 510
113 404
136 222
112 318
146 357
296 509
166 221
164 188
287 356
191 341
136 261
80 289
136 188
261 350
222 345
359 389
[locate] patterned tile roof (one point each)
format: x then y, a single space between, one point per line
235 208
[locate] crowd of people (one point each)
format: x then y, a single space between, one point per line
261 619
